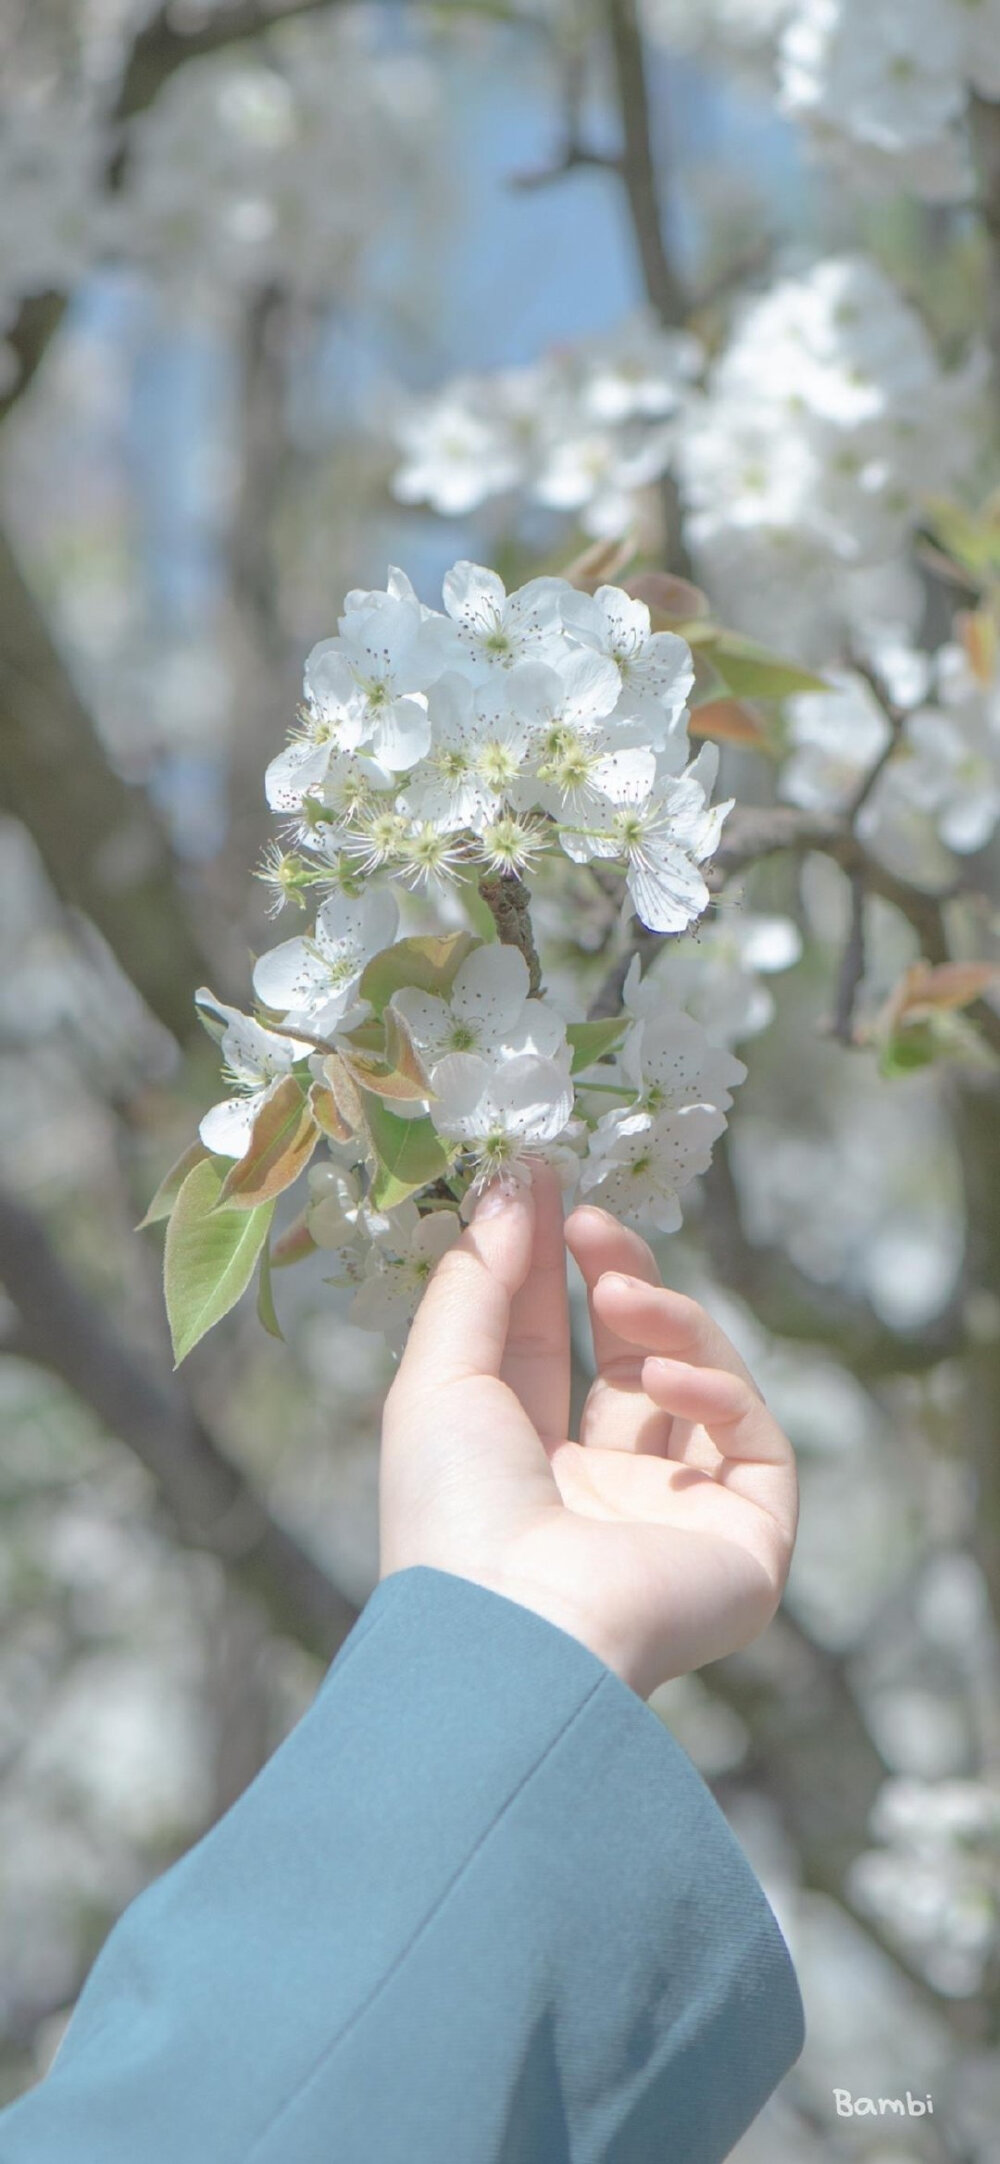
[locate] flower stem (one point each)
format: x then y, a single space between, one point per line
509 904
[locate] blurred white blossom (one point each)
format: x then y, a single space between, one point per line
885 87
933 1882
824 422
582 430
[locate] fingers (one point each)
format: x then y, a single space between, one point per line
617 1414
730 1409
659 1320
536 1361
460 1327
755 1458
598 1243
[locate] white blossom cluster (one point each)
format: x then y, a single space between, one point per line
580 431
884 88
433 743
268 166
52 222
825 422
804 458
273 167
497 1061
937 792
740 33
717 974
934 1881
492 731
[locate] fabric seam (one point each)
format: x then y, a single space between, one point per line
404 1952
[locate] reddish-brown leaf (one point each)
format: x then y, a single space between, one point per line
599 565
670 601
729 721
284 1137
925 988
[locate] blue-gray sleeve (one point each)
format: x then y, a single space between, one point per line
479 1908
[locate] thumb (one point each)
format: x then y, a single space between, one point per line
501 1231
460 1327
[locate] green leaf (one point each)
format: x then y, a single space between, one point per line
284 1137
210 1256
590 1040
909 1049
750 671
410 1153
972 538
171 1184
941 1034
266 1311
430 964
478 911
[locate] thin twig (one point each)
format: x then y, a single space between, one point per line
569 160
753 833
852 967
895 717
984 121
664 286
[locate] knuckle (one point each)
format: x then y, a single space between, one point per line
689 1316
454 1267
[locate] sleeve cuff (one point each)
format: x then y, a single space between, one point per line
479 1905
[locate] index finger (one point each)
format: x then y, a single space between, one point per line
598 1242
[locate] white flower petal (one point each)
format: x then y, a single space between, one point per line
667 889
472 592
227 1128
289 976
400 733
491 985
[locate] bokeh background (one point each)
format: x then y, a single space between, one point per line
287 296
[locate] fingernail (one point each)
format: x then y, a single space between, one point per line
617 1277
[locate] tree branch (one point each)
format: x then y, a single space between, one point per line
852 964
211 1501
158 51
811 1749
976 1125
161 48
102 843
37 322
509 903
984 119
664 286
751 834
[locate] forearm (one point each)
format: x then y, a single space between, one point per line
479 1905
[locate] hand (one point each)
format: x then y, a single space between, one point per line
662 1538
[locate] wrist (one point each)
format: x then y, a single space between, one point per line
565 1615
